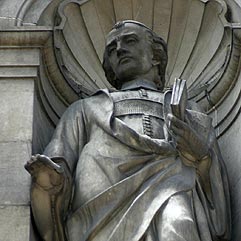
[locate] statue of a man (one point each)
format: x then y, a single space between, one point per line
122 167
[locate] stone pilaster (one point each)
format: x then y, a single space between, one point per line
19 64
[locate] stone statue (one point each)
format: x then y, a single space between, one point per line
122 166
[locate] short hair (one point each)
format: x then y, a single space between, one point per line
159 48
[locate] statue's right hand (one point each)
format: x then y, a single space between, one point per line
45 173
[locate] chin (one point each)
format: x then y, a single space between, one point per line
126 72
126 77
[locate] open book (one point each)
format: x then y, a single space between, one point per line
179 98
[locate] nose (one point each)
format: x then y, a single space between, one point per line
120 49
119 45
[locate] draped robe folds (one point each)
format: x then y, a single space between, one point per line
130 187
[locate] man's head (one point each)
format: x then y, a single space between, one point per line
134 51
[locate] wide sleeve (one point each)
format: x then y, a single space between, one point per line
212 182
69 136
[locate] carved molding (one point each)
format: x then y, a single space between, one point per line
35 36
20 50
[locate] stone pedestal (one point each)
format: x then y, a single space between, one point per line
19 65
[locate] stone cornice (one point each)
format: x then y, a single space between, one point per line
25 36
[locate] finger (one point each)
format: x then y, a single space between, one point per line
32 159
170 118
37 156
44 158
182 143
182 146
50 164
179 124
178 131
176 122
184 135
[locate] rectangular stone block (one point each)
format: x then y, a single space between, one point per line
20 72
14 223
16 112
34 36
19 57
14 179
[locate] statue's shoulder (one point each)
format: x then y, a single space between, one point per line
93 99
98 100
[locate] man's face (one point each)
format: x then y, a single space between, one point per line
130 52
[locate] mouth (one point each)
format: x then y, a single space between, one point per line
124 59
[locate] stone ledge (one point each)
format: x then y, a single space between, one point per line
18 57
18 72
25 36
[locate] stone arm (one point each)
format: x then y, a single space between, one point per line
197 145
50 195
51 189
194 145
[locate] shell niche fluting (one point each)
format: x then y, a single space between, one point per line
202 47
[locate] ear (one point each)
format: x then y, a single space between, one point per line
155 62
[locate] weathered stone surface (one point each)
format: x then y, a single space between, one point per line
9 12
36 9
230 148
21 72
16 98
14 223
42 128
19 56
25 36
14 180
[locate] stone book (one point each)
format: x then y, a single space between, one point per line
179 98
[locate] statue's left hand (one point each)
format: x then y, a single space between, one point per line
50 195
45 173
189 143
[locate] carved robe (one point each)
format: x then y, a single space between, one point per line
130 183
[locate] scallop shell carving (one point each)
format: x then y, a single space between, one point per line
198 36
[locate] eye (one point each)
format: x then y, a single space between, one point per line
111 50
131 40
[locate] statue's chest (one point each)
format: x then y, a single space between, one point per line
142 110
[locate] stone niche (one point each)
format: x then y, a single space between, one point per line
50 56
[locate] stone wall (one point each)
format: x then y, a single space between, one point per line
19 63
